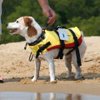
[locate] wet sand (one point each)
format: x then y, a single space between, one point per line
61 87
17 71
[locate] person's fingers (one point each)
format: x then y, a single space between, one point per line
51 20
52 17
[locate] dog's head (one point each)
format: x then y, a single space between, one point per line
24 25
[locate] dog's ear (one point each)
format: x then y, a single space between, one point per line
31 30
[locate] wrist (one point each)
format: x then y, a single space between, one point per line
46 7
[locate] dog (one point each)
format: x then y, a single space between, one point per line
27 27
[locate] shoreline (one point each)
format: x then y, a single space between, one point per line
60 87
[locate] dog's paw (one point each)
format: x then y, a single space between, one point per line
34 80
53 82
79 77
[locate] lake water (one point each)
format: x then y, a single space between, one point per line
44 96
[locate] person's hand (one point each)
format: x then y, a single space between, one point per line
49 12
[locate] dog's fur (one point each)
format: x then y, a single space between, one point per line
27 27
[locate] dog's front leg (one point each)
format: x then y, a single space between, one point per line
36 70
51 70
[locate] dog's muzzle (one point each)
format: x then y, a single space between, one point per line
13 28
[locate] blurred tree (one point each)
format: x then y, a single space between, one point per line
82 13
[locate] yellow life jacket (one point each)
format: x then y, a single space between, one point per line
52 37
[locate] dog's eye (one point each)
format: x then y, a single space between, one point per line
17 21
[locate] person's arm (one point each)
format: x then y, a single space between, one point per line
43 3
48 11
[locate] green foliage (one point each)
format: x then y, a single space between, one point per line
82 13
88 26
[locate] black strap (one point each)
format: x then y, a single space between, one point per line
39 39
39 51
42 48
76 48
62 44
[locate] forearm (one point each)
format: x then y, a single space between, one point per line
44 4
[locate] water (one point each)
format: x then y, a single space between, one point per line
44 96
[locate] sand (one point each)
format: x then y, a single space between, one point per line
17 71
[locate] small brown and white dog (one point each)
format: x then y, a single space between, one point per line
27 27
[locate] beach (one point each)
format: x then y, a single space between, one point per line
17 71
